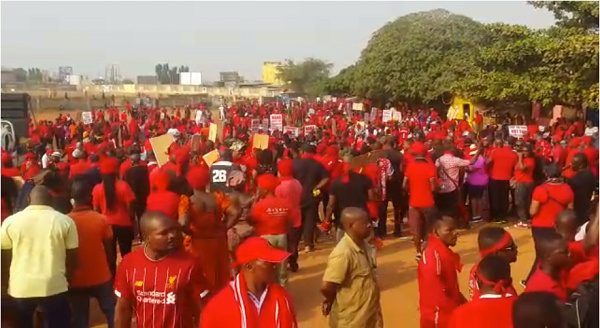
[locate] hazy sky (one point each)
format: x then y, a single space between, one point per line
211 37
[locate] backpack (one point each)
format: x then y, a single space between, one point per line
581 310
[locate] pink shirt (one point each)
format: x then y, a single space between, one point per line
291 189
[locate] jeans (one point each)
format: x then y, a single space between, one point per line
280 242
498 192
80 303
395 196
55 309
123 235
310 217
294 236
523 193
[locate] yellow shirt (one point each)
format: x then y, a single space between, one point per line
38 237
356 304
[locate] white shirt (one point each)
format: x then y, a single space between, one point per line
591 131
258 302
45 161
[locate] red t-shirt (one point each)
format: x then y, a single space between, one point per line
484 312
79 168
541 282
163 293
119 215
419 175
553 198
527 175
503 162
271 216
474 288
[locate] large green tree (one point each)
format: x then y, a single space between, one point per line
582 14
169 75
306 77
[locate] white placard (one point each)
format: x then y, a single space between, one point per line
87 118
254 125
517 131
295 130
276 122
396 115
309 129
386 115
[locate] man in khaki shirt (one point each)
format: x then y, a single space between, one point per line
349 284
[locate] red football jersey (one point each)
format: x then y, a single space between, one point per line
163 293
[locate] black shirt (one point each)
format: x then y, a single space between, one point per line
583 184
309 172
395 158
354 193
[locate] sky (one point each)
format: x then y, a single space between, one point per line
212 37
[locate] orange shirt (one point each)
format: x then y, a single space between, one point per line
92 229
119 215
271 216
484 312
504 160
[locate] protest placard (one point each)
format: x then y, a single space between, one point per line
517 131
254 125
386 115
373 114
260 141
211 157
310 129
358 106
295 130
160 145
87 118
276 122
212 132
396 115
265 124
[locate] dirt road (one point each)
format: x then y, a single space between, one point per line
397 277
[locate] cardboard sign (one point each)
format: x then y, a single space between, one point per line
276 122
160 145
211 157
370 157
212 132
87 118
260 141
396 116
517 131
386 115
265 124
254 125
195 143
358 106
309 129
295 130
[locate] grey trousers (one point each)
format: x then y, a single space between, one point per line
523 193
280 242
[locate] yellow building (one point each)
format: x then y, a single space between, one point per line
459 107
270 71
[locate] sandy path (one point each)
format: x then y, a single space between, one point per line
397 276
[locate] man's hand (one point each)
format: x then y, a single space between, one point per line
326 307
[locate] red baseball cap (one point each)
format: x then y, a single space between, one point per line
257 248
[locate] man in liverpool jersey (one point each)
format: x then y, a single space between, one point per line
160 284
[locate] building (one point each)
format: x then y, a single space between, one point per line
64 72
147 79
230 77
190 78
8 75
270 72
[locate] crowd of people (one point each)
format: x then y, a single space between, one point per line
93 211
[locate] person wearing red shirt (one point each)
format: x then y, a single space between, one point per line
291 190
496 299
7 166
524 184
548 200
82 166
582 250
559 153
437 275
271 218
502 160
492 241
115 200
161 199
591 153
419 182
30 167
554 260
252 299
159 283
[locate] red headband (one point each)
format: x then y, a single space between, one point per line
501 286
501 244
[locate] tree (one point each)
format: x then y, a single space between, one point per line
417 57
20 74
582 14
306 77
169 75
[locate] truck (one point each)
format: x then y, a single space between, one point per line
14 115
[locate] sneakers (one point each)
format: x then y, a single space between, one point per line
521 225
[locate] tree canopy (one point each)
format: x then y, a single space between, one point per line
419 58
169 75
305 77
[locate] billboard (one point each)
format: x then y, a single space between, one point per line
64 72
190 78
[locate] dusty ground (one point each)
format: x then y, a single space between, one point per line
397 278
